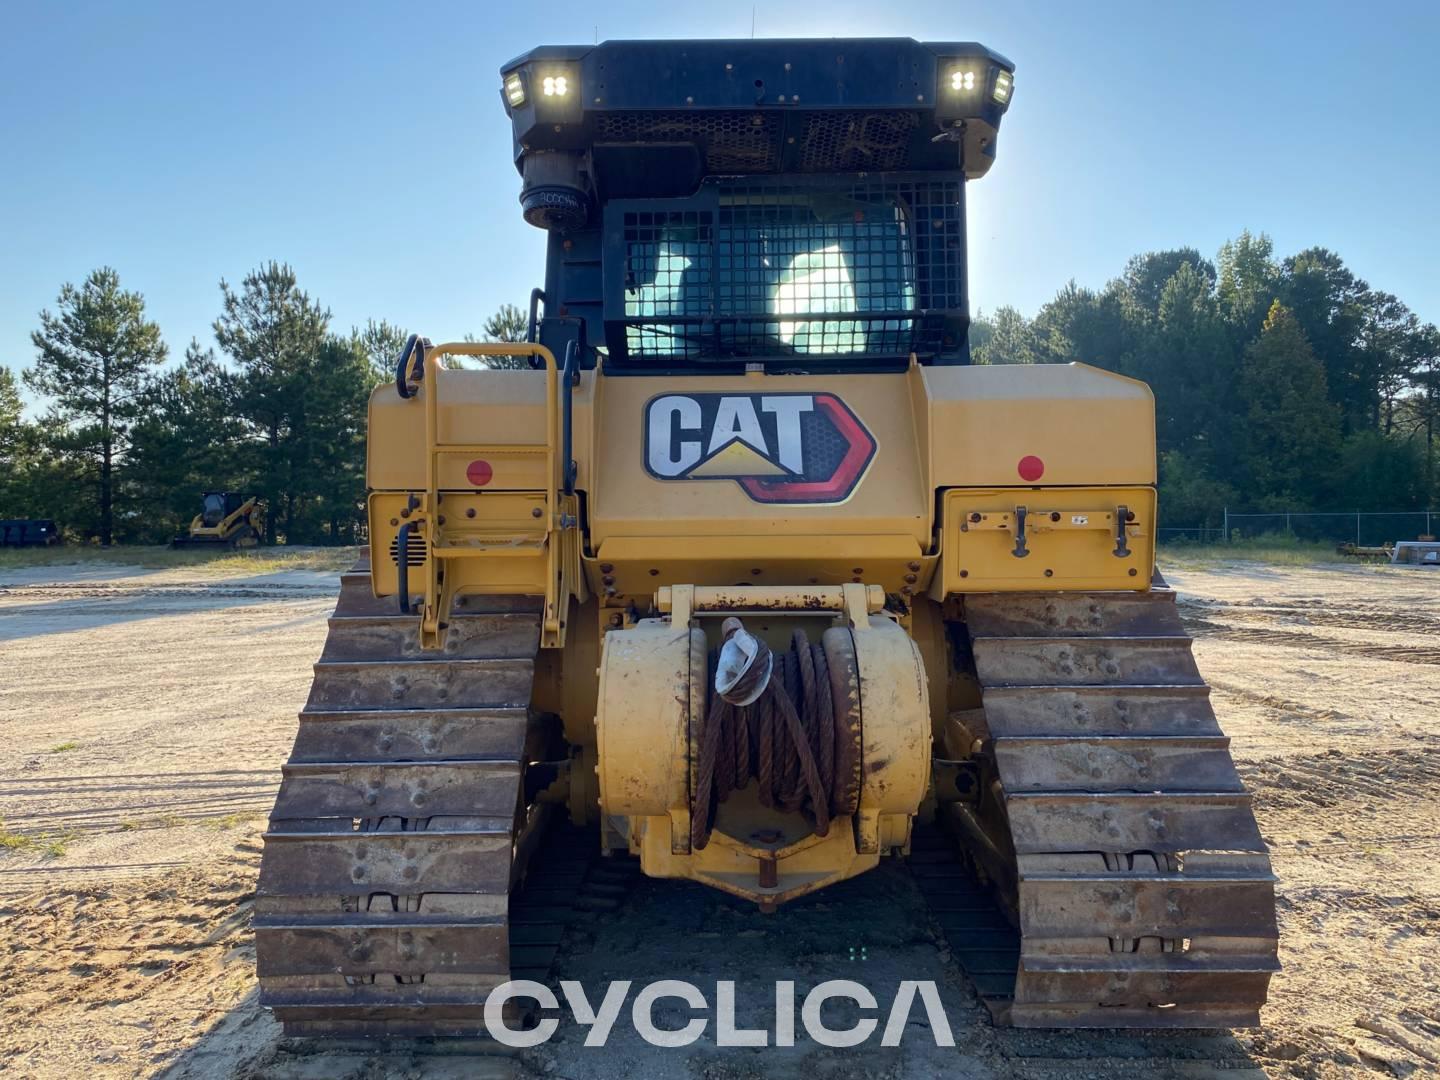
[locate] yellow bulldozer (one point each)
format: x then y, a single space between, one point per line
747 572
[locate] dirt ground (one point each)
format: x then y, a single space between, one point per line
144 714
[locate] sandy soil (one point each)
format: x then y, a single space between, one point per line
144 715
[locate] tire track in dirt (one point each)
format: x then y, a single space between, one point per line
1338 750
144 961
39 808
1336 777
1404 654
139 959
1316 614
1287 706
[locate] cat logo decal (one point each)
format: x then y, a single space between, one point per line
780 448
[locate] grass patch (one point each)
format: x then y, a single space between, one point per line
222 562
64 747
13 841
54 847
51 845
269 561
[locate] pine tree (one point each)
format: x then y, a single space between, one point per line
1389 335
1190 365
1423 405
18 446
508 324
274 333
93 358
1092 327
1247 285
1292 429
334 447
1004 338
1330 305
188 441
12 415
381 342
1146 276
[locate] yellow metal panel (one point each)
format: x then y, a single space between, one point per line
509 470
895 725
734 867
639 563
1070 540
490 552
504 526
492 408
1087 426
933 429
626 501
643 718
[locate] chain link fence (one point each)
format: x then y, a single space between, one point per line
1364 528
1361 527
1200 534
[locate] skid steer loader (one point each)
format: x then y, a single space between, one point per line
750 571
226 519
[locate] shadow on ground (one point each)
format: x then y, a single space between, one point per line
874 929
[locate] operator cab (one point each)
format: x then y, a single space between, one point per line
720 204
216 506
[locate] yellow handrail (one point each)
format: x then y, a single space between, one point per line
552 404
430 618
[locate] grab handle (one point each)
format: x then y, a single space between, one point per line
406 372
567 410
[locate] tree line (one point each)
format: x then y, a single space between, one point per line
276 407
1279 383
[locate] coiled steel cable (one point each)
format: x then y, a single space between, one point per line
785 740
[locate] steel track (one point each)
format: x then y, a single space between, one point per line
384 899
1112 824
1113 828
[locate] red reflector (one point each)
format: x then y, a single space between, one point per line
479 473
1031 468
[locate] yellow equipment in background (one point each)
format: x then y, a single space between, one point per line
759 575
226 519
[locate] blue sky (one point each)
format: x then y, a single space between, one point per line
365 143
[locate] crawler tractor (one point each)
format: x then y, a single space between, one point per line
748 573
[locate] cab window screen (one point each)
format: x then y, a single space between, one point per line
771 271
